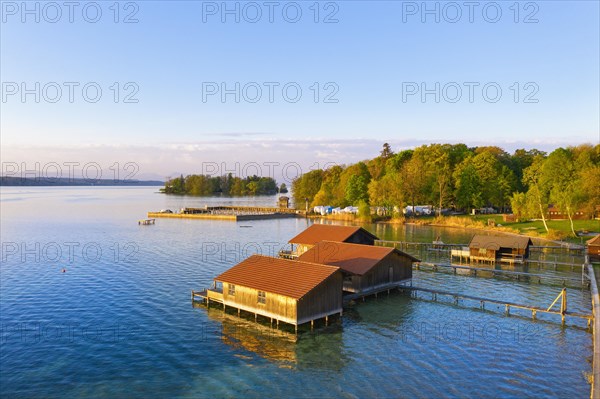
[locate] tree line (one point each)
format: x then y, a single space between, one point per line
228 185
458 177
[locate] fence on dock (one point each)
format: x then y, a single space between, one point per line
236 210
563 313
525 276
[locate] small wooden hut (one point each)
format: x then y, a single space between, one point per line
283 202
280 289
327 232
499 248
366 269
593 249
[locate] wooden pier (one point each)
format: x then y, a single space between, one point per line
510 305
595 392
532 277
233 213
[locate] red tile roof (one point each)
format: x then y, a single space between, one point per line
320 232
594 241
353 258
279 276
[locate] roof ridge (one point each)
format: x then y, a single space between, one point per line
290 260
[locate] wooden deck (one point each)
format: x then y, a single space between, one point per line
375 291
233 213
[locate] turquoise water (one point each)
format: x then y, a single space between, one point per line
118 322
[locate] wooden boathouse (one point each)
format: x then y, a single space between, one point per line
366 269
327 232
593 249
510 248
281 289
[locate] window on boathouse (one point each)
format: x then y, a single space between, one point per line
262 297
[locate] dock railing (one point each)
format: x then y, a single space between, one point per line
595 393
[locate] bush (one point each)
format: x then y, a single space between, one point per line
364 211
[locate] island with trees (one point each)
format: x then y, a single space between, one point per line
227 185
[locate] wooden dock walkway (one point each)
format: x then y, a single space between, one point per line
510 305
534 277
595 392
233 213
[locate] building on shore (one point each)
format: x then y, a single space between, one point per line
280 289
554 213
593 249
327 232
511 249
366 269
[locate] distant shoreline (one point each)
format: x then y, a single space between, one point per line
9 181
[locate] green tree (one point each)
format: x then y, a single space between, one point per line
438 163
357 189
537 189
386 152
307 186
414 180
562 179
468 187
252 188
387 192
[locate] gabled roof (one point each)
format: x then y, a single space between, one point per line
320 232
594 241
353 258
497 242
279 276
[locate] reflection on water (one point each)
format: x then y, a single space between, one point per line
320 348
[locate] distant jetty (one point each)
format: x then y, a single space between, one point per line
233 213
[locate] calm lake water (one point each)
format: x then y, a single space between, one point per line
119 321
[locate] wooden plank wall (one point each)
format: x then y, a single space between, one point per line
326 298
248 298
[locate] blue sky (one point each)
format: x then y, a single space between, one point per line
368 61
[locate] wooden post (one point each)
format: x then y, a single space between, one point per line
312 324
507 309
326 320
